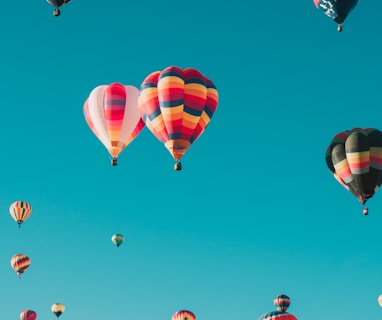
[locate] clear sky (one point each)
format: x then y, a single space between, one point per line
255 212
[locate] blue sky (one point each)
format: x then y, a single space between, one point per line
254 212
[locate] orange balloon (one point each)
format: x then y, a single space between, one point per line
20 263
177 105
183 315
20 211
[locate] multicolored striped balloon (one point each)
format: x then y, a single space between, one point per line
338 10
20 263
111 112
177 105
355 159
281 302
20 211
28 315
183 315
117 239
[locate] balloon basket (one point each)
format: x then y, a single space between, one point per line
177 166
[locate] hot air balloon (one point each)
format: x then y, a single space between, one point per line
338 10
380 300
177 105
58 309
355 159
20 211
117 239
282 303
28 315
20 263
183 315
111 112
56 4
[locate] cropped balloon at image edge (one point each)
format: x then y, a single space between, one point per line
338 10
56 4
354 158
28 315
380 300
183 315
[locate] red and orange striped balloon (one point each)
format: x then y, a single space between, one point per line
20 211
177 105
183 315
111 112
20 263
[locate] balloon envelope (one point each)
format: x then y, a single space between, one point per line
380 300
117 239
281 302
58 309
28 315
177 105
183 315
58 3
338 10
355 159
20 211
111 112
20 263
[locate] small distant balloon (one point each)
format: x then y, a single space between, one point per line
28 315
58 309
183 315
20 211
56 4
20 263
117 239
282 303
